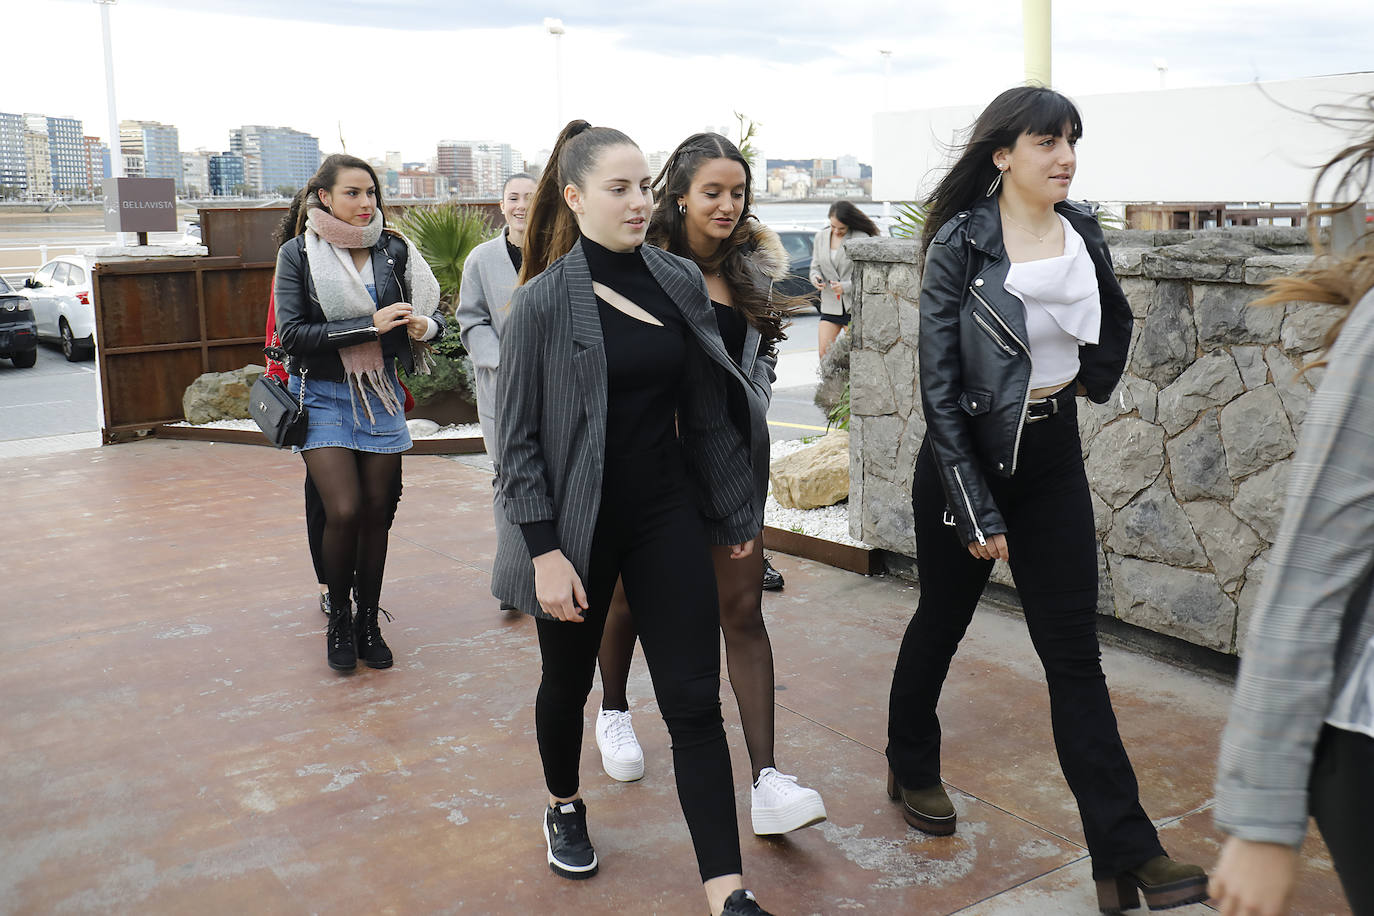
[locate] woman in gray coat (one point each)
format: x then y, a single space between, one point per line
488 281
619 461
702 213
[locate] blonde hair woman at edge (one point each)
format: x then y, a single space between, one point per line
702 213
618 460
1300 738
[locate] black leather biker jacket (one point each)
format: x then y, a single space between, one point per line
975 364
311 340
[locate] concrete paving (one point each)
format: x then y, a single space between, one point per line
173 741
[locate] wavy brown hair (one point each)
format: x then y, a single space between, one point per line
307 198
550 229
668 230
1340 280
852 217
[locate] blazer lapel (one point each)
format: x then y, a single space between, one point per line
694 304
588 351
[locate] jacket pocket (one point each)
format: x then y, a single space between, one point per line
975 403
992 332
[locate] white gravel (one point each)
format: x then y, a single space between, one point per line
829 524
461 431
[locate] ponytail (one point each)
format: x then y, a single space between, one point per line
551 229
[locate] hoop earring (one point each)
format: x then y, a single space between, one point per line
682 208
996 183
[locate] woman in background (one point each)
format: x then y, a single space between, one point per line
832 273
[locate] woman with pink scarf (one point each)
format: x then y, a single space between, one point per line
353 298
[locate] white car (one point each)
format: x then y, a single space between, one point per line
60 293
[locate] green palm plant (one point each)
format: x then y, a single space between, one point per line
910 220
445 234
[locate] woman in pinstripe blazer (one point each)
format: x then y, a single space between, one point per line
619 460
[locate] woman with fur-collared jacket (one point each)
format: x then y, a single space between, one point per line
1020 312
352 299
703 196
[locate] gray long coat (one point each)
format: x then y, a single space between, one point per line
552 389
488 282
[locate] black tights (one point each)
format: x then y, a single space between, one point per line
359 493
314 520
748 652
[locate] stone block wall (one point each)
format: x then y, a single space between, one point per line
1187 462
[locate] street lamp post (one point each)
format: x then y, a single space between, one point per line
116 151
555 28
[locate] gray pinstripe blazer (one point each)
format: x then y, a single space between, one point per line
552 388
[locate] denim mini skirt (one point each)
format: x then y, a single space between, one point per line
337 418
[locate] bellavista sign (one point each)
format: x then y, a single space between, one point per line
140 205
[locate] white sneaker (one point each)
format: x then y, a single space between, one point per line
781 806
621 756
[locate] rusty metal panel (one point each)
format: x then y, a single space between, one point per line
225 359
236 302
145 389
153 309
243 233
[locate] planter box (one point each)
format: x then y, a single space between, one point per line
841 556
448 409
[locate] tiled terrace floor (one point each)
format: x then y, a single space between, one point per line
173 742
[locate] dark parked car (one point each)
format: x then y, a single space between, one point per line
18 333
798 243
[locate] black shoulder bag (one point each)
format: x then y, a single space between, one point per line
282 419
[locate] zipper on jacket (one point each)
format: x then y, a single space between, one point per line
1025 404
997 338
333 334
968 504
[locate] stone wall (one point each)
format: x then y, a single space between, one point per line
1189 459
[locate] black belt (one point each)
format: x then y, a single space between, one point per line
1043 408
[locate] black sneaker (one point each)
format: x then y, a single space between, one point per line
772 579
742 903
570 849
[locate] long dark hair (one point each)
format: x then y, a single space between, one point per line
852 217
668 229
307 198
1340 281
1025 109
550 229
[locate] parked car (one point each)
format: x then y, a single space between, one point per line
18 336
797 241
191 234
60 294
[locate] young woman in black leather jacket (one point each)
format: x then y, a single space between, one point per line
1020 312
351 297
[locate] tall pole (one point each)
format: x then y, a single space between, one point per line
116 153
1035 28
555 28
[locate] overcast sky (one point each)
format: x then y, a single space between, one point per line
404 74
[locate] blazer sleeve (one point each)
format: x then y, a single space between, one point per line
941 380
523 478
816 275
474 317
298 333
1315 598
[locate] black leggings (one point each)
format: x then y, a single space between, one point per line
1341 797
1053 548
314 520
650 535
359 494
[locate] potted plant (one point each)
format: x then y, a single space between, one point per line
445 234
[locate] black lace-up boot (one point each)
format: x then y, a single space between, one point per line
371 647
343 654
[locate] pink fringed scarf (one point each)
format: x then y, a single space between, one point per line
342 295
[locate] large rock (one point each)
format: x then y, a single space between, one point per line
1178 602
1260 500
1168 341
220 395
1230 543
1225 316
814 477
1154 527
1255 431
1197 461
1126 458
1210 382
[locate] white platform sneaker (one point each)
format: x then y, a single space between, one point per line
621 756
781 806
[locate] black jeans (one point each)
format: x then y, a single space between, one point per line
1053 548
650 535
1341 796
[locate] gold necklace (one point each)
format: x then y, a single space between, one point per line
1038 238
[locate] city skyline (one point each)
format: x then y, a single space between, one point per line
809 73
